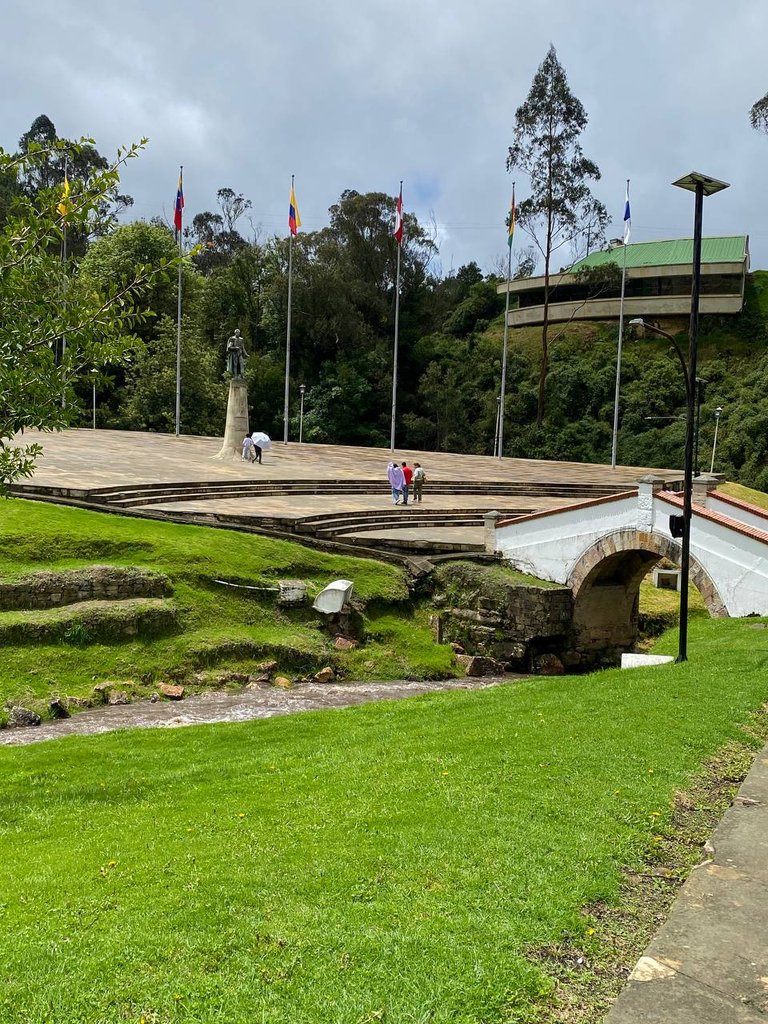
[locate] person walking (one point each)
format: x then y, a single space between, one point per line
419 479
407 477
396 482
248 453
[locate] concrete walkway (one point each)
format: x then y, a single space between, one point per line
709 962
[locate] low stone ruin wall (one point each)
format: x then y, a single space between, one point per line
520 626
96 583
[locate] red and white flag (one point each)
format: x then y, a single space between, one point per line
398 232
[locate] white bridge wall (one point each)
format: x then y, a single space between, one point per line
551 545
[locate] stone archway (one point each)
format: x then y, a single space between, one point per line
606 585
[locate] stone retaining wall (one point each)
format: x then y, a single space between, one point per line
519 625
96 583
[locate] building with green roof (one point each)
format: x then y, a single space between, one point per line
658 283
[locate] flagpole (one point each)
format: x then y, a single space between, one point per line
500 440
286 401
64 261
178 315
615 440
397 333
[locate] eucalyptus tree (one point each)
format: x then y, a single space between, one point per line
560 210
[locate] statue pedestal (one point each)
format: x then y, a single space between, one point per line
237 420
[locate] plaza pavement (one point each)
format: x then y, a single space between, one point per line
103 458
87 459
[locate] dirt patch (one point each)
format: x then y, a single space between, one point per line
587 976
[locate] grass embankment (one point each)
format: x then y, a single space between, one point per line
397 862
217 627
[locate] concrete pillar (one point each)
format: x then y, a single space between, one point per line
701 484
489 531
647 486
237 420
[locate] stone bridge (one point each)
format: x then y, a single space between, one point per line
603 548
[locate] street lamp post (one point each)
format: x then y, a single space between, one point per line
701 185
302 389
718 414
93 395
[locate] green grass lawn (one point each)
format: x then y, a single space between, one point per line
395 862
218 627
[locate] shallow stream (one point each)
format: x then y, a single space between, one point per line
218 706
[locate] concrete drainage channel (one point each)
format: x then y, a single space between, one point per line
261 701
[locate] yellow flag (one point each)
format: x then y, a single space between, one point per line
64 206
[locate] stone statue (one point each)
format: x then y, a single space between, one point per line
236 357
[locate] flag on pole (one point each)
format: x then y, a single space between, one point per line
294 220
177 212
511 219
398 232
627 217
64 206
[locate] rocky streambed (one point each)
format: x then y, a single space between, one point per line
217 706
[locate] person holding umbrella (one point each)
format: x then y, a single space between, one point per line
261 442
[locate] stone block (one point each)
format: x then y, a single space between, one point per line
173 691
282 682
325 675
118 697
344 643
58 708
548 665
19 718
476 665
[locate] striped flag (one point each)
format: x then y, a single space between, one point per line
398 232
627 217
177 210
64 206
511 219
294 220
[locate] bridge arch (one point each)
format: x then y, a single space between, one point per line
605 582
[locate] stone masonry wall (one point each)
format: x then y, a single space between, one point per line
513 623
97 582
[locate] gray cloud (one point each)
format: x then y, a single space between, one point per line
360 94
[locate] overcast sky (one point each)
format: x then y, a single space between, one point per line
360 93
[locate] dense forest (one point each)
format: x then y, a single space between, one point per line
451 329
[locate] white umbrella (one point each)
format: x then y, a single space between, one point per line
261 439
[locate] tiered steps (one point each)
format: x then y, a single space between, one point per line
153 494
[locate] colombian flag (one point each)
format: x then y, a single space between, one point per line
294 220
177 212
511 218
64 206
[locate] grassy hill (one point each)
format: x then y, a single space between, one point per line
206 627
439 859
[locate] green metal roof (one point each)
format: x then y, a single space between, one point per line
675 252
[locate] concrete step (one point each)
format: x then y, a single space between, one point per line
162 493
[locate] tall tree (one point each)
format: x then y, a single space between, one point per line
55 325
43 160
561 209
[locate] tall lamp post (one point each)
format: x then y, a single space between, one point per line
94 374
701 185
718 414
302 389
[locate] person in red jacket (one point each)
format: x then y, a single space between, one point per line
408 475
